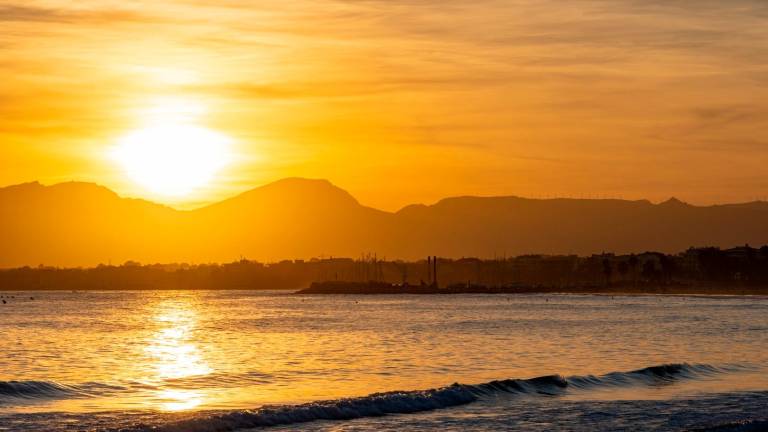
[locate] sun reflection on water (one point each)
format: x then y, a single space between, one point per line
179 400
175 355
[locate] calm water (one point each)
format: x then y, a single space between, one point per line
210 361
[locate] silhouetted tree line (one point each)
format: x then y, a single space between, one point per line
741 266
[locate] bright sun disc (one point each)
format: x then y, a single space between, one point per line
173 160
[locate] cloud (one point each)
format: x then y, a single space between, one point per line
25 13
31 14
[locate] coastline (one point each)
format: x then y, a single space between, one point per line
704 291
373 288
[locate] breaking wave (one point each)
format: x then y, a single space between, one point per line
405 402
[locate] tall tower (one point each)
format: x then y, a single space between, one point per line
429 269
434 271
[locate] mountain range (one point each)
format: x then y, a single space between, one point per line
83 224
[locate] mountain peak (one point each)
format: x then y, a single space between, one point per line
296 191
674 202
73 189
33 185
300 182
307 188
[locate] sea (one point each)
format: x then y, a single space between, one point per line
211 361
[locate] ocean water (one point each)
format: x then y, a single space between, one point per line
239 360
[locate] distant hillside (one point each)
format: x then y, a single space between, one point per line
82 224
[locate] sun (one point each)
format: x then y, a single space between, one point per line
173 159
171 154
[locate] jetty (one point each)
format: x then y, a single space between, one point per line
373 287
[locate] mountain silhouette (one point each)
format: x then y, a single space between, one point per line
83 224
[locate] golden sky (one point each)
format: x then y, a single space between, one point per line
399 101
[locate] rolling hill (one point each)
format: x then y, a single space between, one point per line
83 224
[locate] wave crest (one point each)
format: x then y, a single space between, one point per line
35 389
405 402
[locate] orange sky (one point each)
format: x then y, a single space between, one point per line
399 101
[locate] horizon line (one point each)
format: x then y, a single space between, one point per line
370 257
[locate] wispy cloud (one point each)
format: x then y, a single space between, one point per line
32 14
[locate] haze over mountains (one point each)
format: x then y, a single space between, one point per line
83 224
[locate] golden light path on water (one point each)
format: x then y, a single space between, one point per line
176 355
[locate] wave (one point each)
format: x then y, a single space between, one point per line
406 402
650 376
51 390
653 375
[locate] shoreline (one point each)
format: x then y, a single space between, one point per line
342 288
396 290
